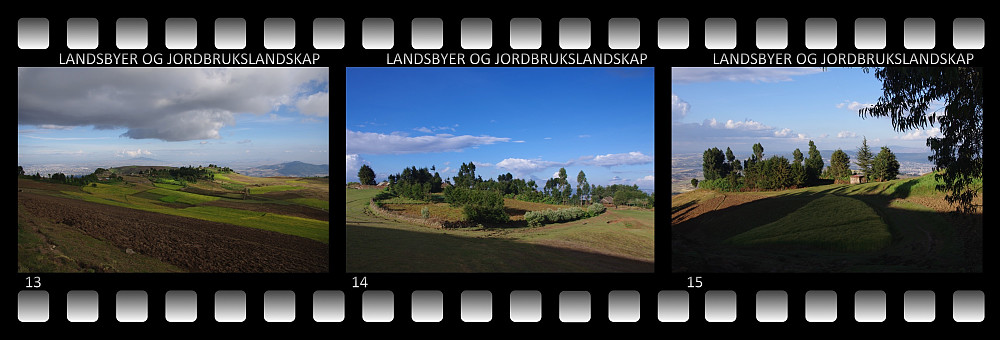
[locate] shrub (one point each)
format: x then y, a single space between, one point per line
542 217
477 205
425 212
596 209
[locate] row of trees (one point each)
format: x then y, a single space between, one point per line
73 179
724 172
419 183
880 167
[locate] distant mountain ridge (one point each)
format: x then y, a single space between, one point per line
290 169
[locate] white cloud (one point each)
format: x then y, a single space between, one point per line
55 127
920 134
433 129
354 163
678 107
616 159
547 138
399 143
783 132
751 74
522 167
647 182
134 154
482 164
517 141
853 105
737 125
846 134
170 104
316 104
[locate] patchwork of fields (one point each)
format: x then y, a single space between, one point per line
202 227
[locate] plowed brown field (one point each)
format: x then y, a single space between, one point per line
192 244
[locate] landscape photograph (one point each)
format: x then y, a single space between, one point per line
500 170
826 170
173 170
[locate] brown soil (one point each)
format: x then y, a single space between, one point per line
715 203
192 244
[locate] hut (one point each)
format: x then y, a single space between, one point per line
608 201
857 179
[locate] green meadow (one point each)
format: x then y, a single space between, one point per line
174 199
616 241
903 225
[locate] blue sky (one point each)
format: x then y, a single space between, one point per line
175 115
526 121
781 108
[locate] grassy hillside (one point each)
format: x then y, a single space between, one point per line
617 241
902 225
273 204
829 222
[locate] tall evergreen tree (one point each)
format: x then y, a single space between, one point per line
814 165
366 175
840 164
864 159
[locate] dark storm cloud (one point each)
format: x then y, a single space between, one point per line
174 104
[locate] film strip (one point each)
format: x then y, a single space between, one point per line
386 291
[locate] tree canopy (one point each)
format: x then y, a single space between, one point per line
366 175
713 164
885 167
910 98
840 164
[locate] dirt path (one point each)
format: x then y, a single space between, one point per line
192 244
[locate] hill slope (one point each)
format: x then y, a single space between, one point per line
902 225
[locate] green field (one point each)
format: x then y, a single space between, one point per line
172 200
896 226
273 188
829 222
617 241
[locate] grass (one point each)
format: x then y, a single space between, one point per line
312 202
168 186
172 196
378 245
273 188
149 200
895 226
304 227
831 222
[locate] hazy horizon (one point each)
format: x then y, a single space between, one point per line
783 109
